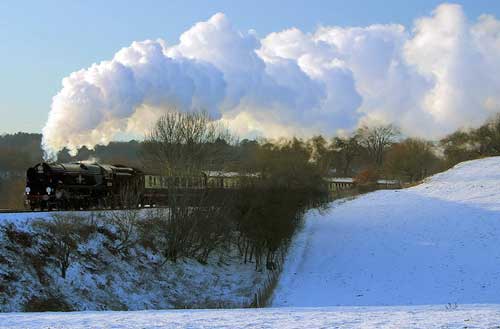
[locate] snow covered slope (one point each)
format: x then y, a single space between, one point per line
436 243
110 270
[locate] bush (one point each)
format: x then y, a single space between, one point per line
366 177
63 234
20 238
47 304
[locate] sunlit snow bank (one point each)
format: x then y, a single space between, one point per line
479 316
436 243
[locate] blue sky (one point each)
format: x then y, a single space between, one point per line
41 42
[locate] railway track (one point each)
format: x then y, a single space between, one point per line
15 211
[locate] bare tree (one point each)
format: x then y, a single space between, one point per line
376 140
183 143
180 146
64 233
126 229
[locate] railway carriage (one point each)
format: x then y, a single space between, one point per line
158 189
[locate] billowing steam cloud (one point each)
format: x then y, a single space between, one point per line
442 75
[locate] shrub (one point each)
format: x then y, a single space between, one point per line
47 304
366 177
62 236
20 238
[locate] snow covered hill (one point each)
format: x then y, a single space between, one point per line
436 243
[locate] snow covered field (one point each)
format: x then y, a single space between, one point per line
285 318
435 243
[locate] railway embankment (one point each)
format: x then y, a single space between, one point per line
114 261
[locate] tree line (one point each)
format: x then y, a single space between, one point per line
370 151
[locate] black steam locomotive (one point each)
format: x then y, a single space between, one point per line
65 186
79 185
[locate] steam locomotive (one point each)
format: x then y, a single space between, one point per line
65 186
77 185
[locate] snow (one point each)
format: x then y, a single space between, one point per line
469 316
136 279
423 257
435 243
340 179
387 181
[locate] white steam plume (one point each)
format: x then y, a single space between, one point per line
442 75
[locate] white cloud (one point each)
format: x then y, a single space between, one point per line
442 75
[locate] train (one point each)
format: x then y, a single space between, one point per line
83 186
80 185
